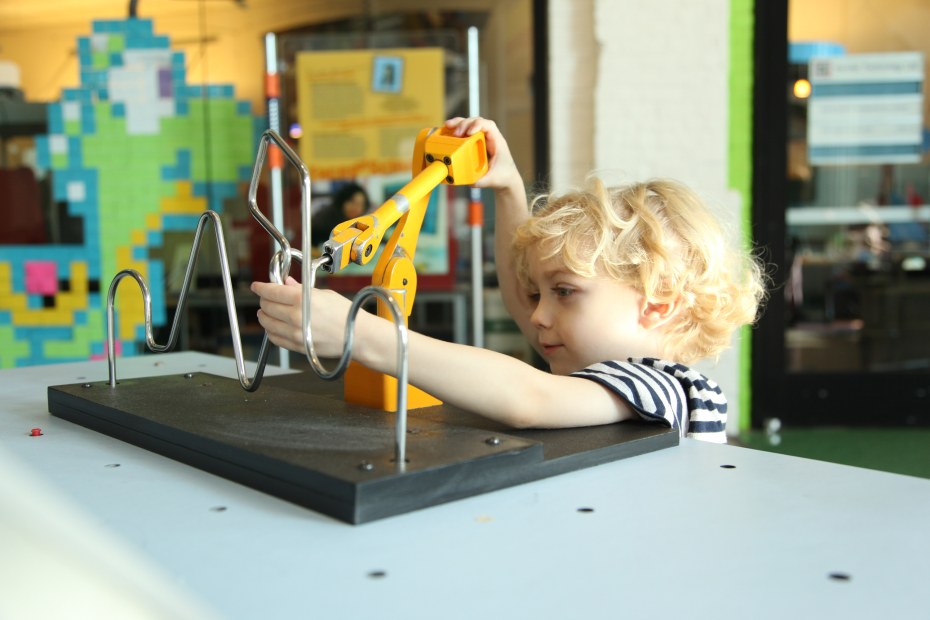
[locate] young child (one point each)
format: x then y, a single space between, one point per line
616 288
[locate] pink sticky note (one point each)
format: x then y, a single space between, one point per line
41 277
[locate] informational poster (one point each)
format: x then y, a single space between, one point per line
866 108
360 111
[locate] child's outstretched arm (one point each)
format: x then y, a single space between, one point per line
511 209
491 384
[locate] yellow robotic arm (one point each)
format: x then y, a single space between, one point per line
438 158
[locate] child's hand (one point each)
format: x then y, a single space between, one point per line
502 171
281 316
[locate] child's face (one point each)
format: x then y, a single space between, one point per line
580 321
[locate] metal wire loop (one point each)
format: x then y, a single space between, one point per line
400 450
278 269
275 271
397 315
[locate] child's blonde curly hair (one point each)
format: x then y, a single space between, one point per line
659 238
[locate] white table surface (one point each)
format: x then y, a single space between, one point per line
671 534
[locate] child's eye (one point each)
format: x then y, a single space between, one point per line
562 291
533 296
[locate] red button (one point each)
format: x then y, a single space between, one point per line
36 432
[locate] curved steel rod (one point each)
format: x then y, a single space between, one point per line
274 271
280 265
303 172
400 430
277 270
308 273
400 427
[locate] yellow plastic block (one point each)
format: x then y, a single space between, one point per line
26 318
183 205
62 316
79 280
139 237
46 317
78 270
366 387
184 200
153 221
13 301
72 301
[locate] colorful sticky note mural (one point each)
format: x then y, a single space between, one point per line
134 152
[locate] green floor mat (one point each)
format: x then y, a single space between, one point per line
901 450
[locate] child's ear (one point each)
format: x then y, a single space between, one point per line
658 314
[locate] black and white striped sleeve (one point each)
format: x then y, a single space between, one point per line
672 393
655 395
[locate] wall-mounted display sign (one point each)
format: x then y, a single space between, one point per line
360 111
866 109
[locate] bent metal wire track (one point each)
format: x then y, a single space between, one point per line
278 269
208 216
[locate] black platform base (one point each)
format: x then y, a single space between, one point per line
296 439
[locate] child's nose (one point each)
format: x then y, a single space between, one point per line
540 317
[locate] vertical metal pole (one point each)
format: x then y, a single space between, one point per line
275 158
475 206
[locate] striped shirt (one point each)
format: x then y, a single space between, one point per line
668 393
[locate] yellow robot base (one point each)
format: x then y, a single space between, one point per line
369 388
439 157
